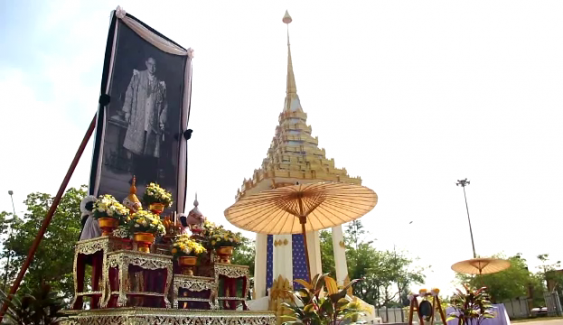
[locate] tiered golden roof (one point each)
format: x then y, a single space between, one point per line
294 155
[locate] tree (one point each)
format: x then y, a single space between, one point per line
6 219
327 252
509 284
53 261
354 232
551 273
245 254
387 275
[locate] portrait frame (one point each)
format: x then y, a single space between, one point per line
150 76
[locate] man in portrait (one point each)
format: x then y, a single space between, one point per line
145 111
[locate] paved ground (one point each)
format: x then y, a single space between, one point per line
557 321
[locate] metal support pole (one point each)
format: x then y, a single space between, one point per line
464 183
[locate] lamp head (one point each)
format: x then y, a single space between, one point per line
11 192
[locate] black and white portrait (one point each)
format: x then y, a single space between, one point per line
144 121
145 110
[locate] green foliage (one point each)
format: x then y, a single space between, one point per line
53 261
551 273
244 254
40 307
354 232
387 275
472 306
317 310
327 252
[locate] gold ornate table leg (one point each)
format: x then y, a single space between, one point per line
123 275
175 296
169 272
75 278
104 285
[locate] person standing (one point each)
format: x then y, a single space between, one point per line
145 109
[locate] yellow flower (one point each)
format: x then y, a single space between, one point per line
174 251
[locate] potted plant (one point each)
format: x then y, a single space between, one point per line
224 242
330 309
157 198
471 307
109 213
186 252
145 226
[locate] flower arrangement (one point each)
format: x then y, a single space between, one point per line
154 194
145 221
184 246
222 237
209 228
106 206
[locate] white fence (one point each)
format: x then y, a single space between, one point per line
392 315
517 308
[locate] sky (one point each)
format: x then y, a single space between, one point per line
409 95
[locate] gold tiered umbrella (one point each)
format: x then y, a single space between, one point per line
301 208
481 266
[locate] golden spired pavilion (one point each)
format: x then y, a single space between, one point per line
293 157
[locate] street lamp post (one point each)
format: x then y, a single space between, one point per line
463 183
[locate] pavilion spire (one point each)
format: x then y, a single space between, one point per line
291 86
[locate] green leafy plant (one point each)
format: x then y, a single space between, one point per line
40 307
156 194
471 307
316 309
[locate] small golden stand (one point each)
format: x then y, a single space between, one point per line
436 305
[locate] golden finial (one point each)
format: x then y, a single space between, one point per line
132 201
291 87
133 188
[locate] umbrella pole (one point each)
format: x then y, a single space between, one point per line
303 221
